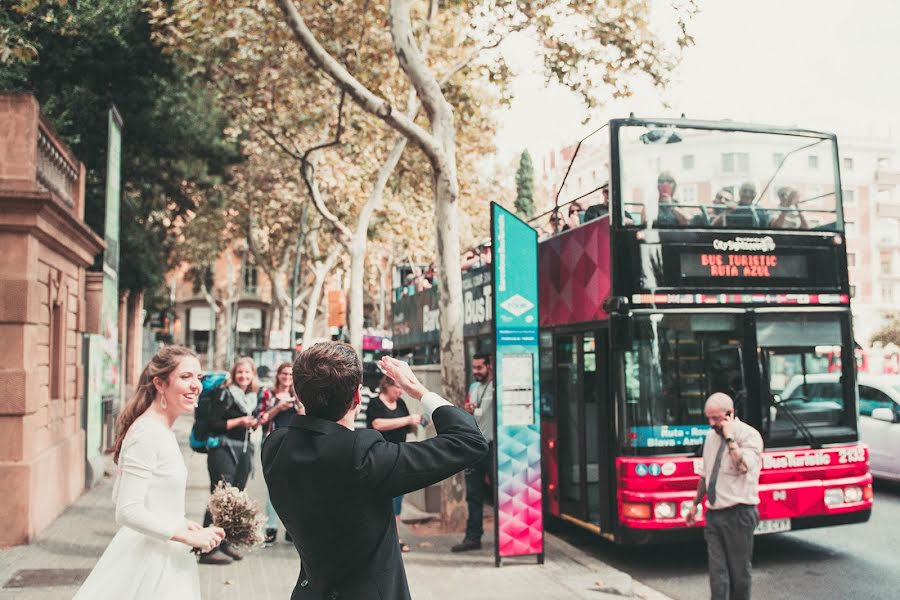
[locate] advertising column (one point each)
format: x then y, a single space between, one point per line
518 522
102 368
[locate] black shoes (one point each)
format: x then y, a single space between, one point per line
229 551
216 557
271 536
467 545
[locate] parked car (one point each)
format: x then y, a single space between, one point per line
879 413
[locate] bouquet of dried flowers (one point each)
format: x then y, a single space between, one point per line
241 518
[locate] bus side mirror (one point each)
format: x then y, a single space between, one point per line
883 414
621 331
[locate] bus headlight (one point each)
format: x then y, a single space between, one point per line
853 494
834 496
664 510
686 508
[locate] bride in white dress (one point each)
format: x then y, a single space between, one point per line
150 557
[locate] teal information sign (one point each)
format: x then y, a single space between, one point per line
518 522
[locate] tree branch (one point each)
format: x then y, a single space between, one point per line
475 53
308 171
369 101
339 130
411 59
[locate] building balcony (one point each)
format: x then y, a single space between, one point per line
887 178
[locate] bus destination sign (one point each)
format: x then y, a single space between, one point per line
711 265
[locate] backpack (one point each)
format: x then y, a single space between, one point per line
199 439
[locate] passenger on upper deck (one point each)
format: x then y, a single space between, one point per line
786 219
744 215
556 222
574 220
669 215
715 214
600 209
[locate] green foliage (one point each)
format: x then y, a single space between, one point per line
525 187
174 149
889 332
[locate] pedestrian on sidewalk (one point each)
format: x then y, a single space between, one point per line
233 416
729 478
389 414
333 487
148 558
277 406
480 403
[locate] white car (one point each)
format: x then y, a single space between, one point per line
879 414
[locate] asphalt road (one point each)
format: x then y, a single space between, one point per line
835 563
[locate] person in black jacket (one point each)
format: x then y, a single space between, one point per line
333 487
233 415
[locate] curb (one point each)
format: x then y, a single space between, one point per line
609 580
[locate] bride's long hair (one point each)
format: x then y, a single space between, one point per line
161 365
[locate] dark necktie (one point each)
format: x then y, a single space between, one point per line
711 488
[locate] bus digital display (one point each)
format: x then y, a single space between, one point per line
711 265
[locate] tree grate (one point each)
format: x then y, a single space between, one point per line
35 578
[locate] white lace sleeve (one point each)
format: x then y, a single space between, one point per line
136 464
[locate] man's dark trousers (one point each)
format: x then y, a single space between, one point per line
475 491
729 542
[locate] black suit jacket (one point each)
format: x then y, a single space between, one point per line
333 487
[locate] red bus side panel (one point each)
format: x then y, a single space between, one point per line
792 484
573 270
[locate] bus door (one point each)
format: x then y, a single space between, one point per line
583 418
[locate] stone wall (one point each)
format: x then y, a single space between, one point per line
45 248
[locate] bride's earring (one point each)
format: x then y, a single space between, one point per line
162 403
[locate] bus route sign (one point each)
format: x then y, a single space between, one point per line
518 516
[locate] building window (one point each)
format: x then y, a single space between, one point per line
851 259
884 162
848 163
687 161
777 159
57 350
850 228
886 264
250 277
735 162
887 294
813 161
200 327
849 196
853 291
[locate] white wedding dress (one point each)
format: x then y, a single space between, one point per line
141 562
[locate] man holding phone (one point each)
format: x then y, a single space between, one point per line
729 479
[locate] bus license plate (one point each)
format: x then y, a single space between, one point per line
772 526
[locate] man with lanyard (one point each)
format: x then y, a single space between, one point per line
729 478
480 403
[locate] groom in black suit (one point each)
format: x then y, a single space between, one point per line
333 486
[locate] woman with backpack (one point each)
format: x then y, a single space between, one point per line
233 412
278 405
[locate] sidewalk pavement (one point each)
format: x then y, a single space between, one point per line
53 566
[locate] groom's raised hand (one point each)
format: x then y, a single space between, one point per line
400 372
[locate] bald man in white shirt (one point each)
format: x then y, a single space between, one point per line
729 479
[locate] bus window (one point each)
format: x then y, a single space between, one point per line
546 357
802 394
676 362
681 177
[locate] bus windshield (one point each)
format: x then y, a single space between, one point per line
675 362
804 399
680 177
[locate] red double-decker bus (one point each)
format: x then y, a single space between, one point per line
717 263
